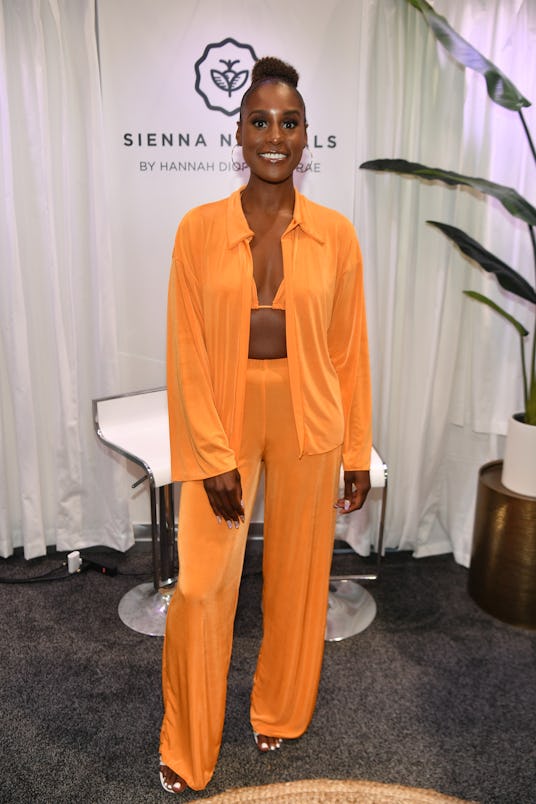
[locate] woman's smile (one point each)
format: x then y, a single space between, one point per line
273 156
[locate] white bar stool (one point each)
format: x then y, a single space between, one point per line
136 426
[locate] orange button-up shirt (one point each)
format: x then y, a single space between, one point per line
209 309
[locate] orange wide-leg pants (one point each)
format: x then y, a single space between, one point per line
299 520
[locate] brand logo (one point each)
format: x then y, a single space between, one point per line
221 74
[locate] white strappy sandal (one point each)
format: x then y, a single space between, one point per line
176 787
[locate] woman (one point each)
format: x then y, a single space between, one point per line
267 367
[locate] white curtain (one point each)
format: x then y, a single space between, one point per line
445 370
58 342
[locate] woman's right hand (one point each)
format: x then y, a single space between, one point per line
224 494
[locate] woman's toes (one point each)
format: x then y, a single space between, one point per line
265 743
171 781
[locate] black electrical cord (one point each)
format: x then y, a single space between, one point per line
87 563
45 578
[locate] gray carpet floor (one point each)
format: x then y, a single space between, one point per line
435 693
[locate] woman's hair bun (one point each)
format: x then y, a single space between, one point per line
271 69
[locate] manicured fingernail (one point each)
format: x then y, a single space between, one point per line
229 523
237 524
219 520
346 505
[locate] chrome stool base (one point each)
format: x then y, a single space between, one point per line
145 610
351 609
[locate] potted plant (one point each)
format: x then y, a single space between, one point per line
519 467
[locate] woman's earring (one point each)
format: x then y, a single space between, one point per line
234 161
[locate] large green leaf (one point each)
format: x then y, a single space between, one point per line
500 89
509 198
490 303
506 277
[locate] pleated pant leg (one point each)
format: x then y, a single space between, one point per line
298 542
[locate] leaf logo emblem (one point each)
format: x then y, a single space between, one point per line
229 80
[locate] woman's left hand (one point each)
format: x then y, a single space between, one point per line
356 488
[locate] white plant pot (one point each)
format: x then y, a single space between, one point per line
519 466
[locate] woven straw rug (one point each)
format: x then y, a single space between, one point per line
332 791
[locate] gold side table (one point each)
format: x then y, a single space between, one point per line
502 574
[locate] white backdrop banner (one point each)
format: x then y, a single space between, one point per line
172 81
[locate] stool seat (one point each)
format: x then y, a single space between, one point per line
378 470
136 425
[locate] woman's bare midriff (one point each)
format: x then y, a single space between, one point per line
267 335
